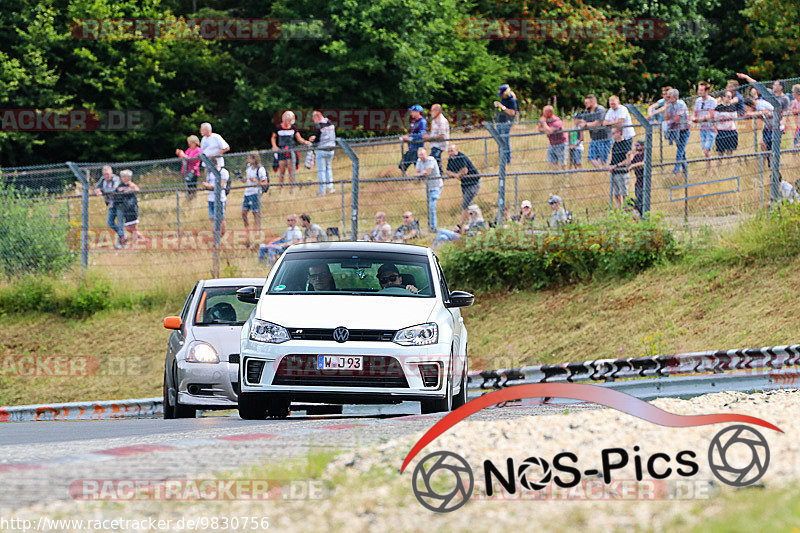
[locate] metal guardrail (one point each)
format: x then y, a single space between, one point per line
682 375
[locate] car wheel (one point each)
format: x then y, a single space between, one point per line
169 410
461 398
252 406
439 405
179 410
278 407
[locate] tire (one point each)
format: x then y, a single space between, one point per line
461 398
438 405
178 410
252 406
278 407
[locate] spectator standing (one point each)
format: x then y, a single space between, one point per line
190 168
777 91
274 248
507 112
106 187
758 107
459 166
256 181
209 185
794 109
126 201
553 127
618 115
382 232
576 149
637 165
559 216
408 230
621 156
312 232
285 138
655 112
439 135
704 106
212 144
324 140
677 118
725 116
600 143
415 137
738 99
428 169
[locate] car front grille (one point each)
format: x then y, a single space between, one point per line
378 371
326 334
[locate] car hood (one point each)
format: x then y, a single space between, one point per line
350 311
224 339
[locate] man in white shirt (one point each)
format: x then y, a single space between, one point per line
428 169
212 144
704 107
211 180
292 235
618 115
440 133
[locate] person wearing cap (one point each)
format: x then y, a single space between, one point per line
428 169
526 214
559 216
440 133
392 282
415 137
507 111
460 167
475 223
637 165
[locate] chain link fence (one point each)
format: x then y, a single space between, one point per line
176 233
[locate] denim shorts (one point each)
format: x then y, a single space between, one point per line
252 203
557 154
707 139
211 210
599 150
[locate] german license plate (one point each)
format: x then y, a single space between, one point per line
340 362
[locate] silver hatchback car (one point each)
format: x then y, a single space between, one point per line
201 370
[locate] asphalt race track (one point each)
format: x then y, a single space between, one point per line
40 460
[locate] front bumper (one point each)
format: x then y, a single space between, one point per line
212 385
281 374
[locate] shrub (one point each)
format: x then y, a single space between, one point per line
519 258
33 238
40 295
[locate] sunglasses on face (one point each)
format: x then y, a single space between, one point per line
389 277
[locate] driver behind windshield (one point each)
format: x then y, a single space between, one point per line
392 282
320 278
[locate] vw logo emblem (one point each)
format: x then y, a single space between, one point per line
341 334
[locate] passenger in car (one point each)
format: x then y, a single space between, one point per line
320 278
391 281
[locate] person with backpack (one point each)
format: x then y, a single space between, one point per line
209 184
257 181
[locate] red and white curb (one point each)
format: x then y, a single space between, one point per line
103 410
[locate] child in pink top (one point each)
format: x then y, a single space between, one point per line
191 164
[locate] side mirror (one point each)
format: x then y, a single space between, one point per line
248 295
173 322
460 299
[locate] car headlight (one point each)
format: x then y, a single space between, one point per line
263 331
202 352
421 335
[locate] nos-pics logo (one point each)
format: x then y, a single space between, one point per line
443 481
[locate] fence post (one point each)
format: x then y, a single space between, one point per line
501 173
211 166
344 213
178 211
485 153
353 189
775 159
648 157
84 214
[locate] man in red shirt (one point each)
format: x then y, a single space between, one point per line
552 126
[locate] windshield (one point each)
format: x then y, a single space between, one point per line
377 273
220 306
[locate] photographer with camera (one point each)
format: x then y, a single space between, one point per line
257 182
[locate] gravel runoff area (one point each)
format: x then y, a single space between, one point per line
364 490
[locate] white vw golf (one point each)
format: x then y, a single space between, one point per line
353 322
